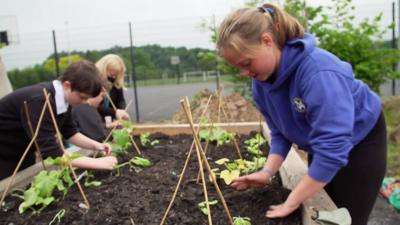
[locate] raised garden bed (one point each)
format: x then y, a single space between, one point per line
143 197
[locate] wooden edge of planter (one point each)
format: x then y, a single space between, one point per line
174 129
292 171
24 177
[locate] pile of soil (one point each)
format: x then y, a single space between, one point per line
144 196
237 108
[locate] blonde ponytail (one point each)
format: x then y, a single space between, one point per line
242 29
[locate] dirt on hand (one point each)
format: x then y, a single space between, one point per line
232 108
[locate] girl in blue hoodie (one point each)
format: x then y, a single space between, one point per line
309 97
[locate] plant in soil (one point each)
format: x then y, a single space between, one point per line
203 208
40 193
136 164
216 134
239 166
241 221
145 140
122 138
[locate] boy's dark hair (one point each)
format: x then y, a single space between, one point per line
84 77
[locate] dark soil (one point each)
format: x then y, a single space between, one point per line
144 196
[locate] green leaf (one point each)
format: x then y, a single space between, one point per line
92 183
141 162
222 161
229 176
203 208
241 221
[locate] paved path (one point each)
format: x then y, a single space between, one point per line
157 103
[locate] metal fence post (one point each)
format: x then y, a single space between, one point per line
56 54
133 74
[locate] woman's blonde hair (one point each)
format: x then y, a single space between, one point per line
112 62
242 29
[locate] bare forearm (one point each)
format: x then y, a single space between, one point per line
273 163
307 188
84 162
84 142
103 163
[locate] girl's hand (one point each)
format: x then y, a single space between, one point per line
254 180
105 148
279 211
121 114
106 162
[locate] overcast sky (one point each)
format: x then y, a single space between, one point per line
99 24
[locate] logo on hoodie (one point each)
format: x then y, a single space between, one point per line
299 104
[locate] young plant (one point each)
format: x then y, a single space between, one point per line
122 142
40 193
89 180
241 221
253 147
203 207
136 163
122 138
230 173
254 144
57 218
145 140
217 134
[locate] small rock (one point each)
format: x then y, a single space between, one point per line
83 206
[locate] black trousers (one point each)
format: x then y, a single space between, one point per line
356 186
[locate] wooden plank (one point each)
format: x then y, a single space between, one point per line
292 171
175 129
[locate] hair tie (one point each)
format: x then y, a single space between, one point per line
268 9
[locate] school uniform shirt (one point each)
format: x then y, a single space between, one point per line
15 133
89 122
316 102
117 96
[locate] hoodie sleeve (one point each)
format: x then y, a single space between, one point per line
279 144
330 111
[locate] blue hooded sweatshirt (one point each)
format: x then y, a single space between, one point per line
316 103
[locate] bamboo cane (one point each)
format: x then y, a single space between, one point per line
63 149
186 108
109 135
228 120
207 164
178 184
24 154
135 146
184 168
205 150
109 98
28 119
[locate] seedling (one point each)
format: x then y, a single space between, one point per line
40 194
58 217
136 163
122 142
217 134
90 182
145 140
232 172
234 169
203 207
241 221
253 147
254 144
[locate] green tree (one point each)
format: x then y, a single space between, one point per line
357 44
